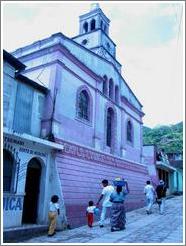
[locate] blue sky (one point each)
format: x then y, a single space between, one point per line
149 38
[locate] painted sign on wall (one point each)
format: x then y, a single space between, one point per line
22 149
12 203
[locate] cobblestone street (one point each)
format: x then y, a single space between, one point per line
140 228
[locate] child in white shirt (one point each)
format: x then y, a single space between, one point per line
90 213
52 215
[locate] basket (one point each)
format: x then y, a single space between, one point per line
119 182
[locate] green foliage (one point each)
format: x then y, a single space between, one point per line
169 138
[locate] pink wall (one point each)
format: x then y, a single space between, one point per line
81 171
149 158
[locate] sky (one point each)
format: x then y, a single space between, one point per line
149 38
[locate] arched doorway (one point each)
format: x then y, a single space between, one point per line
30 205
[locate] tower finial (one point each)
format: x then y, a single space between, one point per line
94 6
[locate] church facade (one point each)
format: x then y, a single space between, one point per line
91 111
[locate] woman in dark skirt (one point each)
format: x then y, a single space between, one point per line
118 217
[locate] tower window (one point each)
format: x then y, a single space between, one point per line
92 25
85 27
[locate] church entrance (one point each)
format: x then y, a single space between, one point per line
30 205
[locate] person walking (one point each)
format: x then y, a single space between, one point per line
106 192
52 214
149 192
161 190
118 215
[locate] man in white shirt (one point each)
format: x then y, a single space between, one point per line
106 192
149 192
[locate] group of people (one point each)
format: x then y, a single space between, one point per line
158 195
113 200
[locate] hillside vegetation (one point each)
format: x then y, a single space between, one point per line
170 138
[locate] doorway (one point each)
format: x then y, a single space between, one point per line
32 189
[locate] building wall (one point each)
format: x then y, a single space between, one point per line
98 42
12 208
92 41
81 171
149 158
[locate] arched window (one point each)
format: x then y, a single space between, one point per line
129 131
111 85
105 85
85 27
109 133
92 25
83 105
116 94
8 163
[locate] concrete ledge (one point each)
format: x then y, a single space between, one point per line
13 235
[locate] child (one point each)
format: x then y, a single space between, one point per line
52 215
90 213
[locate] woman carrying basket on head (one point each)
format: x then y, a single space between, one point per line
118 216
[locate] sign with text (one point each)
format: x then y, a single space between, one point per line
22 149
12 203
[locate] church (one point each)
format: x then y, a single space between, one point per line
91 112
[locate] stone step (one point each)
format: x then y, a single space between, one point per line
13 235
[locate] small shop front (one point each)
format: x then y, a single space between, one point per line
27 184
166 173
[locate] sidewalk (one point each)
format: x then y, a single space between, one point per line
140 228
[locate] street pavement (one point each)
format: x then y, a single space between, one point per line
140 228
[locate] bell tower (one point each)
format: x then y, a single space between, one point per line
94 34
93 20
